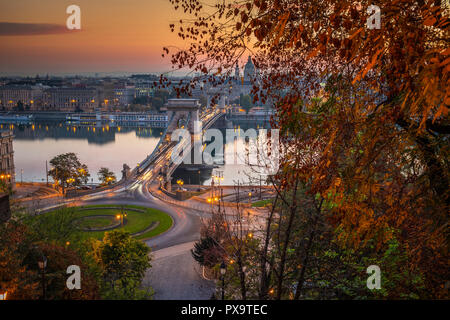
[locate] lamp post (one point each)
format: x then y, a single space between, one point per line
42 263
3 294
120 216
223 270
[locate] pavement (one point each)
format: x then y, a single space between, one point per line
176 276
174 273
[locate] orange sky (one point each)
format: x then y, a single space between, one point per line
115 36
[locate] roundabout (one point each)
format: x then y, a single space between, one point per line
93 221
97 223
141 222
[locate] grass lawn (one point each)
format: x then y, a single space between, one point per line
262 203
136 221
97 222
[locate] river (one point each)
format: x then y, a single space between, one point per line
100 146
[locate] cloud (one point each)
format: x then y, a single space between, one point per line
30 29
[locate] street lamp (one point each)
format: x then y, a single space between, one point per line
42 263
223 270
3 294
121 216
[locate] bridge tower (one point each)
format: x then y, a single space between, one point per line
180 111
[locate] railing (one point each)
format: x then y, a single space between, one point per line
157 152
147 161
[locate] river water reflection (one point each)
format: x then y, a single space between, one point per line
97 146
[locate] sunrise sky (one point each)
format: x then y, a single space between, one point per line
115 36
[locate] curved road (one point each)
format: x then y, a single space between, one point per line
174 273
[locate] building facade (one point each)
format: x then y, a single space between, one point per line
7 170
71 99
29 96
144 89
123 96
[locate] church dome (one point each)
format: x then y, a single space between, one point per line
249 70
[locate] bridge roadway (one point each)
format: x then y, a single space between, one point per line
174 273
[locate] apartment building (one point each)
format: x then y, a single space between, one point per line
71 99
7 172
30 97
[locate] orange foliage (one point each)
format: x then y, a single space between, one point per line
376 146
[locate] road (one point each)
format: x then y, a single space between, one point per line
174 273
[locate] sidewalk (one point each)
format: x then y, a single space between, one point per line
201 205
28 190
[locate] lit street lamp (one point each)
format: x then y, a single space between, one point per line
3 294
223 270
42 263
120 216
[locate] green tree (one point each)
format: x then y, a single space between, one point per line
106 176
68 170
124 261
207 253
20 251
54 227
59 257
15 278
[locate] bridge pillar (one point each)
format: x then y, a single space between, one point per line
193 118
168 185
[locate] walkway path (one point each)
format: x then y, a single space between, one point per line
176 276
